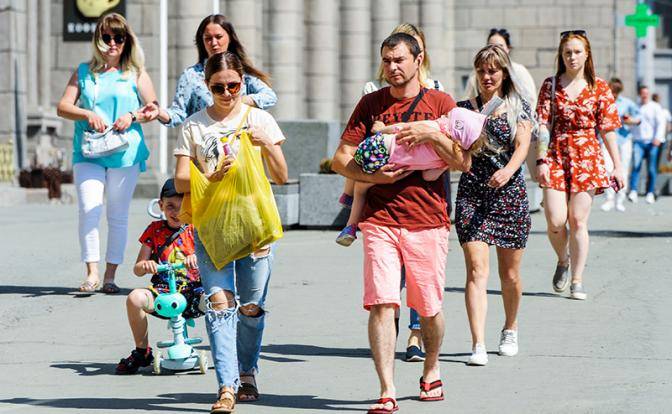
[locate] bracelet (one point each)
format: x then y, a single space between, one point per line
541 161
133 117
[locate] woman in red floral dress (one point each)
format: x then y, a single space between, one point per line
572 106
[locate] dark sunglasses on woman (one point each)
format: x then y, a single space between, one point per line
118 39
219 88
573 32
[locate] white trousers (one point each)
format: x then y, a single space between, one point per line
93 182
625 151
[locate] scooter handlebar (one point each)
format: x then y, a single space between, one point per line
166 267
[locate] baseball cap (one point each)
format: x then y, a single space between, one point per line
168 189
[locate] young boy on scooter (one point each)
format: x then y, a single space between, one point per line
164 241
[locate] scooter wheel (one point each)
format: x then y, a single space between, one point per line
157 365
202 362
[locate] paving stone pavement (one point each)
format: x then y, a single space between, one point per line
609 354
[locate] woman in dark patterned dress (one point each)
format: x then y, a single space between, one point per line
492 206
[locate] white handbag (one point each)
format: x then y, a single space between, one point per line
102 144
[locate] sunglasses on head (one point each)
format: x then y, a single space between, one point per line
118 39
573 32
219 88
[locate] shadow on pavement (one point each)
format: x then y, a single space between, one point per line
312 350
37 291
87 369
499 292
88 403
300 402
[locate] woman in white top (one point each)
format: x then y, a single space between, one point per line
236 293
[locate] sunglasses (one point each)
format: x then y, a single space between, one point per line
118 39
573 32
232 87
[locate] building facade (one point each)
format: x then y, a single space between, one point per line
319 53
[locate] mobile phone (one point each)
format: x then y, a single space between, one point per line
614 184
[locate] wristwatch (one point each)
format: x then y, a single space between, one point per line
133 117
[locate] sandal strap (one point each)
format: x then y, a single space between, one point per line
385 400
427 386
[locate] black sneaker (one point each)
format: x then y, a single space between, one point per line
414 354
137 359
561 278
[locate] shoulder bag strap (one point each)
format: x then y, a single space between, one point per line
406 115
170 241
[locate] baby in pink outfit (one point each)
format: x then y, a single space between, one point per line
463 126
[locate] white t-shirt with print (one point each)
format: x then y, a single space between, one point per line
202 138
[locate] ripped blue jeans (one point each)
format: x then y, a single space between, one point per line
235 339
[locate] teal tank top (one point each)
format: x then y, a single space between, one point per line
110 95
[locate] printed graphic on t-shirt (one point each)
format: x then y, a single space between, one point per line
213 145
156 235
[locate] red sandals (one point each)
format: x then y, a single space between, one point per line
383 410
427 387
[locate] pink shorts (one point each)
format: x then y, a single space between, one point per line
423 253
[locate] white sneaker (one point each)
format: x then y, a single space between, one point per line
479 356
508 343
620 207
632 196
650 198
608 205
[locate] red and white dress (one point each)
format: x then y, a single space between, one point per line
574 155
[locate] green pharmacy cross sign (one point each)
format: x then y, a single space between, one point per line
642 19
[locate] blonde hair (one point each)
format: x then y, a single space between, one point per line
410 29
495 56
132 56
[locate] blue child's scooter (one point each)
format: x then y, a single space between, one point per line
180 355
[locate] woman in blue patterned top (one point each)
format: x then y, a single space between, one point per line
215 34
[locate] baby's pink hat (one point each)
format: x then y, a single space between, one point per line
463 125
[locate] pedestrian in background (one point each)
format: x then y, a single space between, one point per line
628 111
215 34
648 139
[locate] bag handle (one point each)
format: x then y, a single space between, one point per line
243 120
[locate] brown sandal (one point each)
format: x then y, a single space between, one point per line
226 402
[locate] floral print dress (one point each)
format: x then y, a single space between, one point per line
574 155
496 216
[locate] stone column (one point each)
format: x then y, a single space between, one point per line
322 65
448 42
44 54
246 16
385 15
410 11
355 52
32 33
432 24
285 47
13 80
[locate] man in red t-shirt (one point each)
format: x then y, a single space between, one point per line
404 221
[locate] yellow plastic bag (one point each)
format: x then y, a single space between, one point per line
237 215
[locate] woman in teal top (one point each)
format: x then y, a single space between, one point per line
106 91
